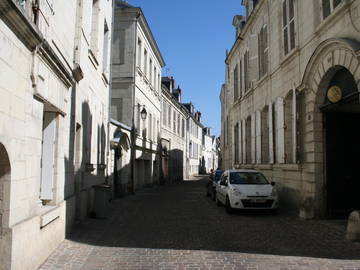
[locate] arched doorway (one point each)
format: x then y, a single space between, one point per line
5 171
4 177
341 119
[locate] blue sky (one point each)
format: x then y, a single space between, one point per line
193 36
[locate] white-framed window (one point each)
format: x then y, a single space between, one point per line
139 53
106 48
94 43
288 31
145 62
328 7
236 83
263 51
246 71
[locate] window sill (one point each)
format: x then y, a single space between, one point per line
48 214
93 59
290 56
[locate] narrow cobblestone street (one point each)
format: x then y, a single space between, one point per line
177 227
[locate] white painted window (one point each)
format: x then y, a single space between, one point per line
106 48
139 53
94 43
288 25
48 156
263 51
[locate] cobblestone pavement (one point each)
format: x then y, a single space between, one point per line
176 227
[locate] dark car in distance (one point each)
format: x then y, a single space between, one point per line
211 184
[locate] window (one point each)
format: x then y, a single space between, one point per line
139 53
174 122
236 142
178 124
288 26
241 80
150 72
48 156
236 83
106 48
95 28
248 140
183 128
145 62
169 116
154 80
246 71
164 111
150 127
328 6
263 52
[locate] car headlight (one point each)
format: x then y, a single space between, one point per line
236 192
274 192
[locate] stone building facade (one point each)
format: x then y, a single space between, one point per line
136 86
193 141
209 151
173 132
53 111
290 102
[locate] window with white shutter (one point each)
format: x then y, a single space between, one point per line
95 25
258 136
271 133
236 143
246 71
48 156
288 19
253 59
243 140
236 83
263 51
253 139
265 135
289 127
248 140
280 131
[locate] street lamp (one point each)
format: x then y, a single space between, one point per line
143 115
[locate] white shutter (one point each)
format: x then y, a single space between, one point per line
271 134
48 156
258 136
253 60
243 141
294 126
253 139
240 142
280 130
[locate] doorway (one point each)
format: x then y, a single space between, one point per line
342 147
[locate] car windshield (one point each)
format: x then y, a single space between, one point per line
218 175
247 178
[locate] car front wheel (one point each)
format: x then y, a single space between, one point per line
218 203
228 207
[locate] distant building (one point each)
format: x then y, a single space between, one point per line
290 103
209 153
193 141
136 88
173 132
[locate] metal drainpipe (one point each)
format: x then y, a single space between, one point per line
133 135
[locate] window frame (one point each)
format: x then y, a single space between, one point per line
288 46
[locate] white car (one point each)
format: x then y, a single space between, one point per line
246 189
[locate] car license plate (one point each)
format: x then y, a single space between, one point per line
258 200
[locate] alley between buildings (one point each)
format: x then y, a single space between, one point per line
177 227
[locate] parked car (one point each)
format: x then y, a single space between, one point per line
211 184
246 189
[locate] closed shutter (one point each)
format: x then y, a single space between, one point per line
280 126
295 106
48 156
253 139
258 136
243 140
271 134
240 142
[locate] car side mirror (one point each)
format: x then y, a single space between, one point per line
272 183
